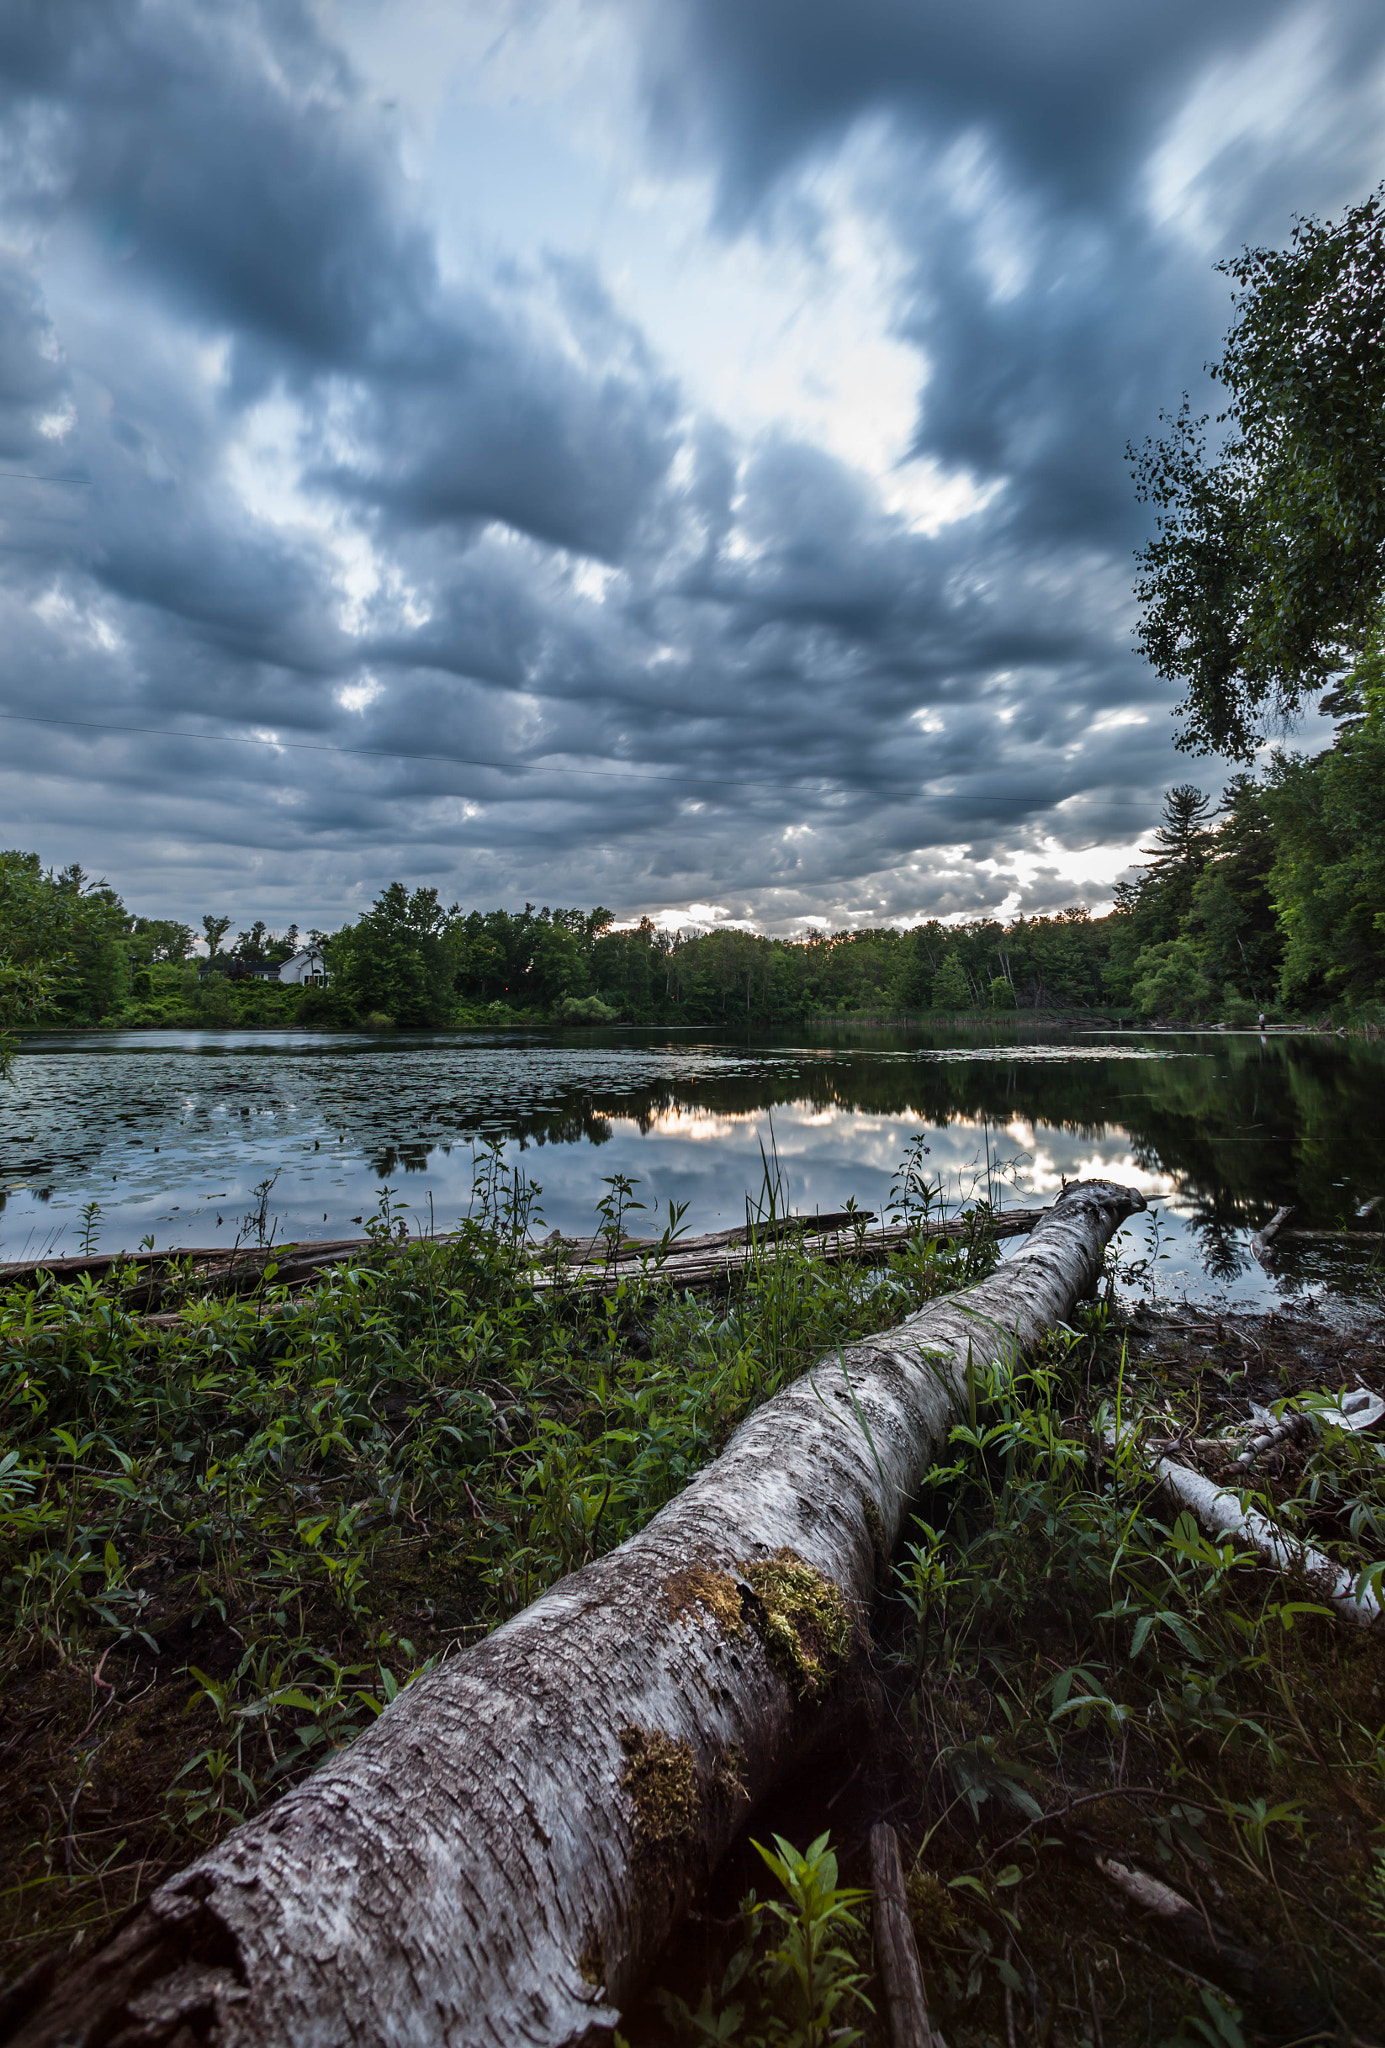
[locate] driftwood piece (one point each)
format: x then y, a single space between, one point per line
213 1267
96 1266
1356 1409
502 1855
596 1249
896 1951
236 1262
1262 1244
689 1266
1274 1430
1225 1514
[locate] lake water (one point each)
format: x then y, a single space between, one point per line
172 1133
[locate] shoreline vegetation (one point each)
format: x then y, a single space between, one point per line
233 1532
536 1811
235 1523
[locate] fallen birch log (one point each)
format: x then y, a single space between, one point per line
1225 1514
502 1856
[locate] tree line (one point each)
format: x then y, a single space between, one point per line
412 962
1265 903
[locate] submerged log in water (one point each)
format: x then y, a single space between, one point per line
588 1264
716 1260
502 1856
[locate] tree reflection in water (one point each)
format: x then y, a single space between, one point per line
1221 1128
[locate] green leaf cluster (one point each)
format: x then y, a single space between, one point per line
795 1981
1264 581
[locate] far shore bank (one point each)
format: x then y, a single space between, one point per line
1322 1025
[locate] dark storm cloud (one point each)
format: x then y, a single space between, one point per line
219 153
490 425
222 157
1036 124
1072 91
195 178
1054 311
328 493
32 381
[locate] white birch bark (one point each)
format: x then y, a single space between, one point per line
501 1857
1226 1514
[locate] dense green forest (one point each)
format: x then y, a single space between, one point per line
1269 902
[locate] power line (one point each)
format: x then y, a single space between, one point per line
721 782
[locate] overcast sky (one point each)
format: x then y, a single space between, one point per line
668 453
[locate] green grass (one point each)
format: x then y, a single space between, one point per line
226 1544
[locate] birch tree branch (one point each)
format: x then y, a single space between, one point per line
896 1951
1225 1514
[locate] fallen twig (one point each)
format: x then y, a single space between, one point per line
896 1951
1209 1947
1225 1514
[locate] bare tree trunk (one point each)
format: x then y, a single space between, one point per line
501 1857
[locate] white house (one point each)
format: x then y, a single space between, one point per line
306 965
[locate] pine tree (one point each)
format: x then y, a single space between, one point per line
1184 839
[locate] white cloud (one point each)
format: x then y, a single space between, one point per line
359 696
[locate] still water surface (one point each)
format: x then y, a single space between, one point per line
171 1133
